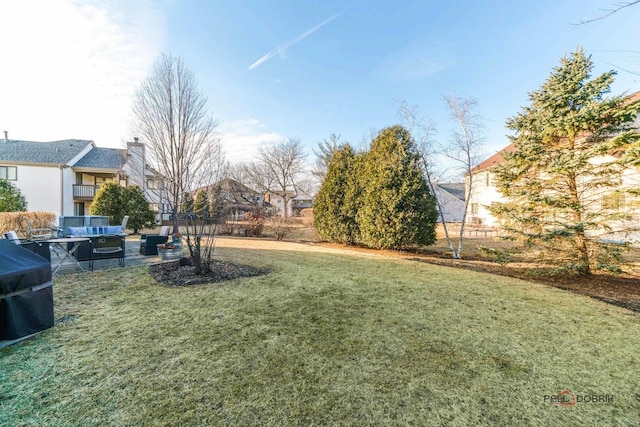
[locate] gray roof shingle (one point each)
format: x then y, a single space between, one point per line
103 158
455 188
55 152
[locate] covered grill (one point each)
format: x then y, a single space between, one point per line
26 295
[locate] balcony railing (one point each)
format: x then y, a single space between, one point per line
85 191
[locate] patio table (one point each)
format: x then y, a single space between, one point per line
62 244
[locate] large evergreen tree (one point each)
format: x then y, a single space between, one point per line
566 159
397 209
334 209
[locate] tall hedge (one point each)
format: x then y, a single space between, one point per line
397 210
335 205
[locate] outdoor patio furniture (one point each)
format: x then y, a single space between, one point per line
67 248
124 222
12 236
107 247
39 233
149 242
101 243
39 247
65 223
96 221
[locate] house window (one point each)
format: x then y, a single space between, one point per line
487 179
613 201
475 208
154 184
78 209
9 173
78 178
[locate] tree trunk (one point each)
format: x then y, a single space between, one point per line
579 240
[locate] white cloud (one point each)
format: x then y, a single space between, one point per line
70 68
242 138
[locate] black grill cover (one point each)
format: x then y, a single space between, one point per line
26 295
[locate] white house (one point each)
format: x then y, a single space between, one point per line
63 177
484 194
294 204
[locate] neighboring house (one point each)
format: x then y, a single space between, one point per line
64 176
484 194
236 199
147 178
294 204
233 199
451 200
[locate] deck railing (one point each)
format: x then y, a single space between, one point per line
85 191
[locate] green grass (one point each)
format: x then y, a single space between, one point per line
323 339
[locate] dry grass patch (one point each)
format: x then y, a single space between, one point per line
325 338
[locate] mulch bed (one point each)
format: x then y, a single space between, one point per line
173 274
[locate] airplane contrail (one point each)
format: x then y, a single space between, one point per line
283 47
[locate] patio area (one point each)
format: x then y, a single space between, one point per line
132 258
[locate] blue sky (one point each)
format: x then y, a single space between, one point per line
300 69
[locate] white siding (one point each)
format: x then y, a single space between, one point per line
482 195
41 186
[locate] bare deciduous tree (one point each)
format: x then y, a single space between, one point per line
422 132
239 172
280 170
324 156
181 136
464 149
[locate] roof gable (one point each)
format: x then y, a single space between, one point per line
102 158
494 160
498 158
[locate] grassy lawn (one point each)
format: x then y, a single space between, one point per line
326 338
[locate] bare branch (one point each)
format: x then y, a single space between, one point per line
182 139
280 170
616 8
